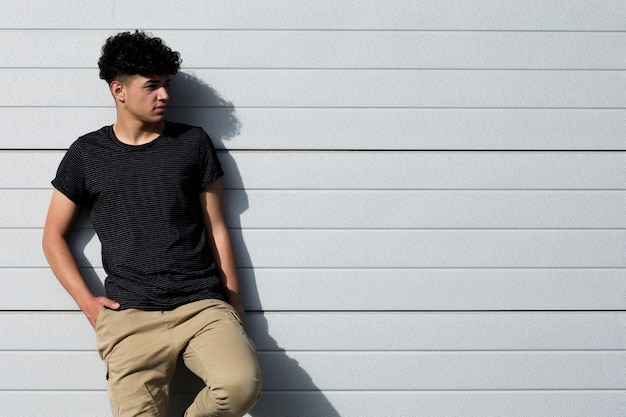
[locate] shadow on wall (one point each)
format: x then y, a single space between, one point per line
194 102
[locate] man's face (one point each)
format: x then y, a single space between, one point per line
145 98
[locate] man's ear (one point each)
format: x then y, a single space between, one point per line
118 91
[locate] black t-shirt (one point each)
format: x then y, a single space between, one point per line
144 205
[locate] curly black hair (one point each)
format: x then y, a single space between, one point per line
127 54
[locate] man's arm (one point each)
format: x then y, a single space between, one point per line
219 237
61 215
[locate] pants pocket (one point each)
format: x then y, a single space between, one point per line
100 317
103 336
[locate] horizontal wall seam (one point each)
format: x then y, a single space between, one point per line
386 311
352 352
378 391
313 30
373 68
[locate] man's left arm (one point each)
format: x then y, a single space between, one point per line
212 204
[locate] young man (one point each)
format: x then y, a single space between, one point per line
152 189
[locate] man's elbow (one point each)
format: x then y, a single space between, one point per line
50 241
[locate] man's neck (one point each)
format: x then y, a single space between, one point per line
137 133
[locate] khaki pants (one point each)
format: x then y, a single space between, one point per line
141 348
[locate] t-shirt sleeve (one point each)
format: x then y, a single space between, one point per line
210 166
70 179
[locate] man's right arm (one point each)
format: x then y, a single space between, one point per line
59 221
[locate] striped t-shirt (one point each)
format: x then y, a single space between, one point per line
144 204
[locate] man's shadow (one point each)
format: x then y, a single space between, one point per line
194 102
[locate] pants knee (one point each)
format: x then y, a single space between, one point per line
236 398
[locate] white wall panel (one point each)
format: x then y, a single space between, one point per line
434 249
376 129
370 331
577 15
376 170
358 289
333 49
427 209
375 248
28 403
560 403
445 404
378 209
339 88
392 370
